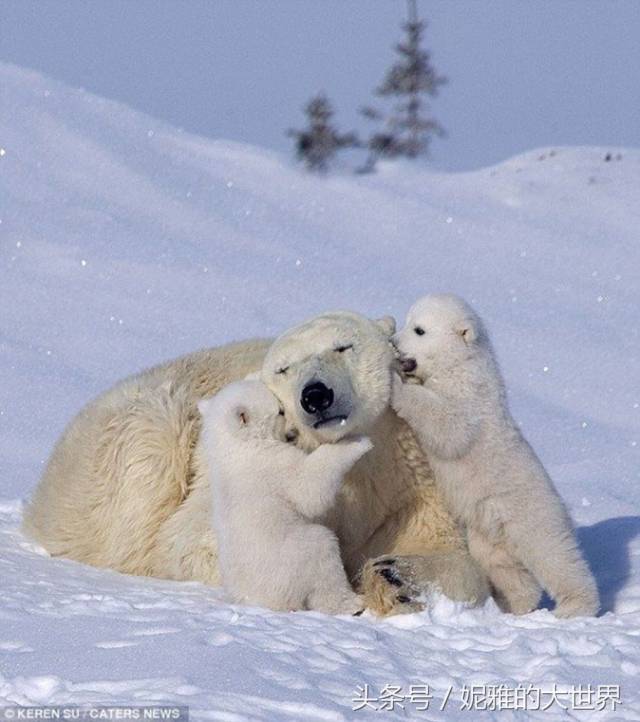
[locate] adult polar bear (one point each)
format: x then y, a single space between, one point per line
126 486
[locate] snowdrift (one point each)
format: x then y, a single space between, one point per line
124 242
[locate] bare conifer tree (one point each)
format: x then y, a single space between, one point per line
408 131
320 141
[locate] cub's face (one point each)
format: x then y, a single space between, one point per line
439 331
261 416
332 375
244 410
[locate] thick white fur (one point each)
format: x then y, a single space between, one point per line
518 529
267 498
127 486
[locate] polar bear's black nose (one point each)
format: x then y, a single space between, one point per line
408 365
316 397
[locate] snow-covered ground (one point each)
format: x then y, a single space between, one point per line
124 242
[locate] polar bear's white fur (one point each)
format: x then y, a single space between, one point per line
518 528
127 485
267 497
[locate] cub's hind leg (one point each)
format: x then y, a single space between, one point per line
515 588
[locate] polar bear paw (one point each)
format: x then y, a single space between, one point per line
582 604
386 590
399 584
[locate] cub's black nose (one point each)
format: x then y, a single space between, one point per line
409 365
316 397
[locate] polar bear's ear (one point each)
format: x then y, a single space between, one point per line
468 329
241 415
387 324
253 376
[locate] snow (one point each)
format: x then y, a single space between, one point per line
124 242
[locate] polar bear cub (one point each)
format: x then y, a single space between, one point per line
517 526
267 499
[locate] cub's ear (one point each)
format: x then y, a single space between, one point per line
468 329
387 324
253 376
241 415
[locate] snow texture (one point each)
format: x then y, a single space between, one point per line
124 242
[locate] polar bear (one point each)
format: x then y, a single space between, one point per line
127 485
518 528
267 495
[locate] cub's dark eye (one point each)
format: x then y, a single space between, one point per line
419 331
342 349
283 370
281 412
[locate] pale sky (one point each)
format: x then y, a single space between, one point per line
522 73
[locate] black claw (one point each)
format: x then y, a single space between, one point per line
390 577
402 599
381 562
358 613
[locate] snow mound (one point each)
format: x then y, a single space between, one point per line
124 242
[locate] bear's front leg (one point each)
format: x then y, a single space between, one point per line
401 584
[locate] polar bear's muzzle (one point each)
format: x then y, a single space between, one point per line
338 420
322 406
